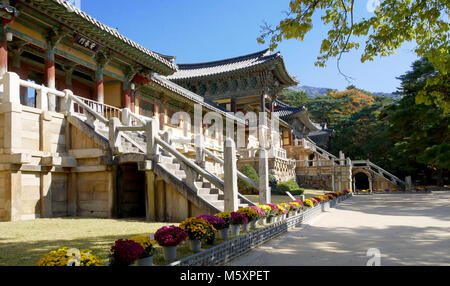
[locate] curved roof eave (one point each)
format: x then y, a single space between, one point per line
236 65
69 13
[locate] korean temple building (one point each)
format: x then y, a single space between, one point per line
87 126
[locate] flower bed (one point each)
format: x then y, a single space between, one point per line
273 220
235 247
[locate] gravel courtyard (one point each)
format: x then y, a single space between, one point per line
408 229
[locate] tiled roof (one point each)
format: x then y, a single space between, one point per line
166 60
232 65
286 113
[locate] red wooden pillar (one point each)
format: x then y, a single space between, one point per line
233 105
102 59
126 96
99 85
50 72
3 50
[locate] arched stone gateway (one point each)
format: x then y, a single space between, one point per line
378 178
362 180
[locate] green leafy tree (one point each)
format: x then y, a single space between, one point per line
393 23
294 98
245 188
421 132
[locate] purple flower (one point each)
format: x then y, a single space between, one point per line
170 236
124 252
237 218
259 211
217 222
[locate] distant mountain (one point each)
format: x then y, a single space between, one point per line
310 90
314 91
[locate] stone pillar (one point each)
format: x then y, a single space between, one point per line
333 186
264 189
12 110
151 185
230 176
126 117
199 150
408 181
13 190
152 131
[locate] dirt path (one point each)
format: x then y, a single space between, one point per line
412 229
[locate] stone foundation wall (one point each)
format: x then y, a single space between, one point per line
282 169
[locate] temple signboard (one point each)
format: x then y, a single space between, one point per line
86 43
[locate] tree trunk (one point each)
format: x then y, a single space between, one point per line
440 182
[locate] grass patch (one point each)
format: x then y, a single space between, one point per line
23 243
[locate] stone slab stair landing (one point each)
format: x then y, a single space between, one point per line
206 190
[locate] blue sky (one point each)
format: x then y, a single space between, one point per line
207 30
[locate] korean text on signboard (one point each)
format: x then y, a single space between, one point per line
86 43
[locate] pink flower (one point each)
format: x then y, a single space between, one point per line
170 236
237 218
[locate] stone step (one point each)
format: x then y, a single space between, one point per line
211 198
204 191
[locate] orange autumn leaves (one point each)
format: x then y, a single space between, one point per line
352 100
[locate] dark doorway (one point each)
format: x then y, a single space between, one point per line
130 192
310 160
362 181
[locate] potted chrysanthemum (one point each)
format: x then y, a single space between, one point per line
252 218
169 237
69 257
217 224
275 211
268 214
124 252
261 215
197 229
237 220
225 231
148 244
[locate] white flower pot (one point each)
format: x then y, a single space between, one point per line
170 253
235 229
246 227
254 224
148 261
225 233
195 245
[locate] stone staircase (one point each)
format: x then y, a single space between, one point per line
205 189
135 142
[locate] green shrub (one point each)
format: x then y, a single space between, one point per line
290 186
273 184
245 188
